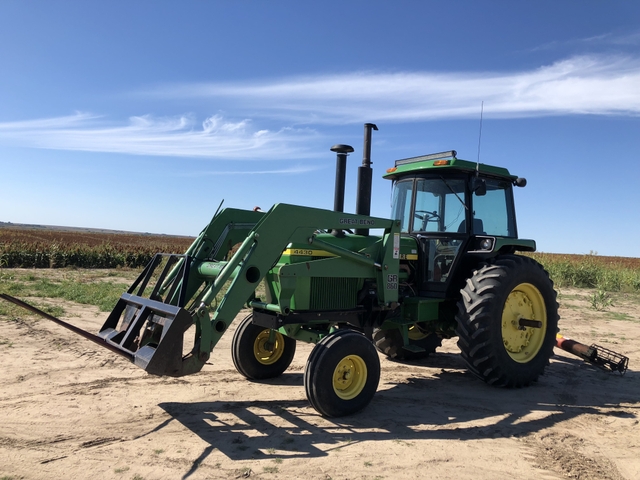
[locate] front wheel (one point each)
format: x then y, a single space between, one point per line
342 374
259 353
507 321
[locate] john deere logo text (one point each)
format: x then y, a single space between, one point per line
356 221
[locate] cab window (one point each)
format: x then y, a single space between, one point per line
439 205
494 210
401 209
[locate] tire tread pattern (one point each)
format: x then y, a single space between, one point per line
479 320
318 373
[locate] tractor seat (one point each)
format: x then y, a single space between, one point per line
478 226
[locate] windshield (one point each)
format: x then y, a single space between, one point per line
439 205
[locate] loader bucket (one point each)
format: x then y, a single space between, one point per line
151 332
149 321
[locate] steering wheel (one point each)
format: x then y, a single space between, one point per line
426 217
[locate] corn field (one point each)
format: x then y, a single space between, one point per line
612 274
47 248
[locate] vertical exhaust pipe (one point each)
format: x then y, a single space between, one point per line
341 172
363 200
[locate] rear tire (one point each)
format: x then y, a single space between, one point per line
254 357
342 374
493 344
390 343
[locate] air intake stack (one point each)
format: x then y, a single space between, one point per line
363 200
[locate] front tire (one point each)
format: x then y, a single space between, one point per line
495 345
255 356
342 374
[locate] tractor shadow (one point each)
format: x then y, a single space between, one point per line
446 402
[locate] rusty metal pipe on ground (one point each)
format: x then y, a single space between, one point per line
594 354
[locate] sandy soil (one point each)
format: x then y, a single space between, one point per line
70 409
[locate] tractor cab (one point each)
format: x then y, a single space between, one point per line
458 213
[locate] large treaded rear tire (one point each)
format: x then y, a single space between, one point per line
390 343
342 374
494 346
254 358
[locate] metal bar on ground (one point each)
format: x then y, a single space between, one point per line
62 323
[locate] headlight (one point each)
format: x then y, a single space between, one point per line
486 244
483 245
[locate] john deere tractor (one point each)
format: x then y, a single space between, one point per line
445 264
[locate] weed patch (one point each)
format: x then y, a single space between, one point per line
102 294
619 316
600 300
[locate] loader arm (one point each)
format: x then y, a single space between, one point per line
282 225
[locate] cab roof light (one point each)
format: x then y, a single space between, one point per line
451 154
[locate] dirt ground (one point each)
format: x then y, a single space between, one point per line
69 409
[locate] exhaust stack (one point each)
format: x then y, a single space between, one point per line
341 171
363 200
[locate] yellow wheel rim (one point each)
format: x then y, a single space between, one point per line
349 377
268 353
415 333
523 343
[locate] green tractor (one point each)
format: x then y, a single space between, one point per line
443 265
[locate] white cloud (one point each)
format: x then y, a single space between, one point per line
173 136
629 39
46 123
248 171
579 85
593 85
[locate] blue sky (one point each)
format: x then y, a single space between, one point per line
143 116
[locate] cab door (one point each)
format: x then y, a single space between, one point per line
433 210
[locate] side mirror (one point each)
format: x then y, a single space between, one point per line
479 186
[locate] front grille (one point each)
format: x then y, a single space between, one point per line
334 293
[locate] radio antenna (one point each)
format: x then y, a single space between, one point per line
479 138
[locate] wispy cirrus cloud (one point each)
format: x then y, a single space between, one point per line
179 136
294 170
602 41
585 85
626 39
580 85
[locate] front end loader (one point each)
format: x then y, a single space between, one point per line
203 290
